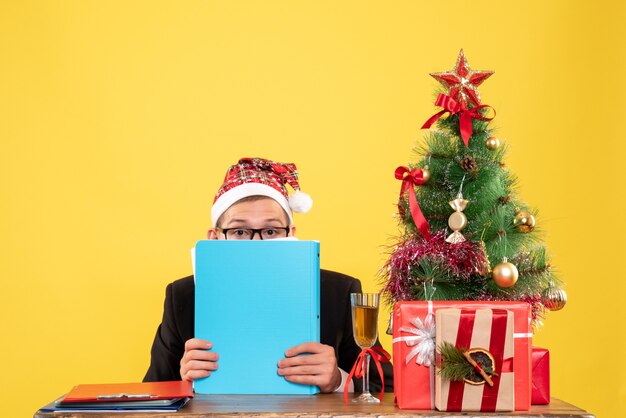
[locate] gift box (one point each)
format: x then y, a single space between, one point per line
480 345
540 392
414 347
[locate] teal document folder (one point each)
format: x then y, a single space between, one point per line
253 300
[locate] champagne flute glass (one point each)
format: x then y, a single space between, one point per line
365 330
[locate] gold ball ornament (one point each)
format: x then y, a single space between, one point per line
425 174
492 143
554 298
505 274
525 221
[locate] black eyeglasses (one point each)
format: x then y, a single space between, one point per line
249 233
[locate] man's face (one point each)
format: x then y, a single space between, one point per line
255 214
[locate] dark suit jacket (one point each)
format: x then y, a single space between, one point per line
177 327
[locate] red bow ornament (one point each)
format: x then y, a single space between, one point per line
379 355
465 115
410 179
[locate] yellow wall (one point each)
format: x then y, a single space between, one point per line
119 119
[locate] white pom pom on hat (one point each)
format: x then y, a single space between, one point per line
300 202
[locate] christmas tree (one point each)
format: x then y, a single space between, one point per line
467 236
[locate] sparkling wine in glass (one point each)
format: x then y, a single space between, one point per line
365 330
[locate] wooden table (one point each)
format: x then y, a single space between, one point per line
323 406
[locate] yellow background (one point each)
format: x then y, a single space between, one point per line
118 121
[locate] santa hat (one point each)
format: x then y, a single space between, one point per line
261 177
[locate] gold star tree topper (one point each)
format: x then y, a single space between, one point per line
462 82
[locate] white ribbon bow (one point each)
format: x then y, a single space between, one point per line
422 340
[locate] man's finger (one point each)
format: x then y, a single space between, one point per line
197 344
304 379
300 370
196 374
202 355
201 365
300 360
310 347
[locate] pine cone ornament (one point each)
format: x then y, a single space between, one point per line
469 164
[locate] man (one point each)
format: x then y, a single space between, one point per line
253 204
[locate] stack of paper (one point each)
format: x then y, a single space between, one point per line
151 396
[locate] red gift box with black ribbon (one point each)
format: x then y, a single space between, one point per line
480 344
414 350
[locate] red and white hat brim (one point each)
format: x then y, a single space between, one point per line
232 196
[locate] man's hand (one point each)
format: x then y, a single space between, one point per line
318 366
197 362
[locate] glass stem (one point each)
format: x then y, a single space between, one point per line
366 375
